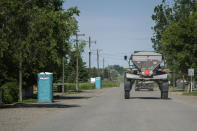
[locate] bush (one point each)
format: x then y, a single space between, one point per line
9 92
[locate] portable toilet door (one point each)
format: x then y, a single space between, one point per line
45 91
98 83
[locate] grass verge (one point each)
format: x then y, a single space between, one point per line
70 87
184 92
194 93
27 101
72 92
171 89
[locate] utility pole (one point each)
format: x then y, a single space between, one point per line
77 65
90 42
103 66
103 63
110 77
98 62
191 85
77 61
108 73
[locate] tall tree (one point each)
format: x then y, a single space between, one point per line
180 42
34 35
166 14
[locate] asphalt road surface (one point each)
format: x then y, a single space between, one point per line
109 111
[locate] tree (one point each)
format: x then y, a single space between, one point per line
118 68
71 68
15 23
165 14
166 17
106 73
180 43
34 35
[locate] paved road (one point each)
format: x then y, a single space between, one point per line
110 112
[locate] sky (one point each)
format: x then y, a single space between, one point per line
119 27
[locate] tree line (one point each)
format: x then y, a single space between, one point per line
175 34
110 73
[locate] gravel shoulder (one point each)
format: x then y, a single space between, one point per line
178 97
14 118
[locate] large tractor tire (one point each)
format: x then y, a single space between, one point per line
164 95
127 88
164 89
127 94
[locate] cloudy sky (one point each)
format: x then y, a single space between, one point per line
119 26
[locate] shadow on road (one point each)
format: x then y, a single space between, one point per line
70 97
144 90
39 105
55 103
151 98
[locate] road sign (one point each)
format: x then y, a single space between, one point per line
191 72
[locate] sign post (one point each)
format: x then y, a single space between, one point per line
191 73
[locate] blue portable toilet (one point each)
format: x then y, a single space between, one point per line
45 88
98 83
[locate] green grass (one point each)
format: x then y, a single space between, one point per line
194 93
184 92
110 84
72 92
70 87
27 101
171 89
156 85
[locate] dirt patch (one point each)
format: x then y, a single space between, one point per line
178 97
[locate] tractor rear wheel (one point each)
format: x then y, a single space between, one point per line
164 95
127 88
127 94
